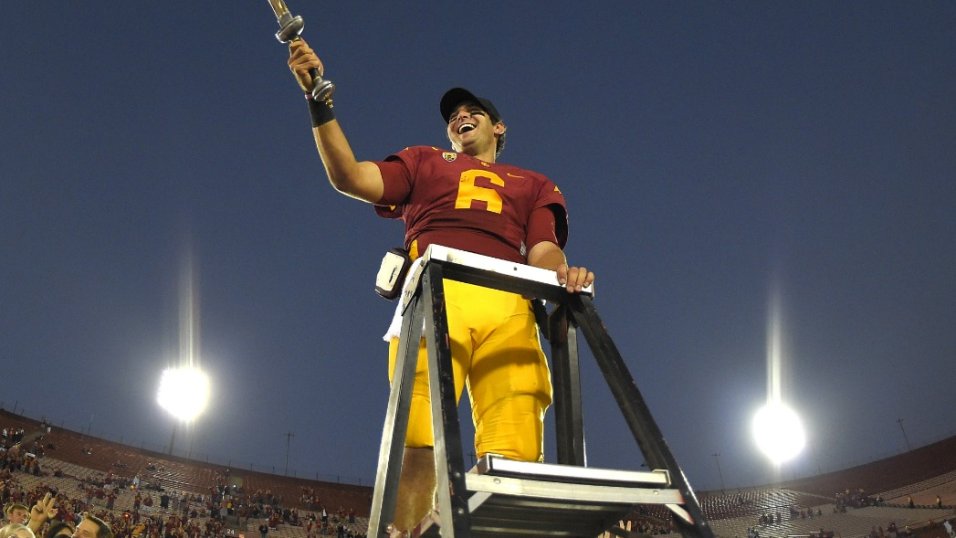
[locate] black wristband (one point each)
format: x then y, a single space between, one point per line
321 111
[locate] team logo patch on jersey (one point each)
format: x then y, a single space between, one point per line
449 156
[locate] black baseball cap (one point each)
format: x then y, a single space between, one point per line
457 96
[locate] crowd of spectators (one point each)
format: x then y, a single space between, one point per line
891 531
152 511
793 511
646 527
230 501
641 525
19 452
855 499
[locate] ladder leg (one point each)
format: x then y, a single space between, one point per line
636 413
568 418
392 446
449 462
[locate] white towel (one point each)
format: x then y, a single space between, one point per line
395 328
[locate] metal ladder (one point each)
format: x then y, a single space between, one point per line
504 498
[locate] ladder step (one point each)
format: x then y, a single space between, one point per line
521 499
505 522
501 516
499 466
567 492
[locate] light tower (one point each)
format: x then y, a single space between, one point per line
777 429
184 388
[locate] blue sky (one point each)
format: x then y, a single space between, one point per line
712 153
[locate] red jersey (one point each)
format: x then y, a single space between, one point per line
458 201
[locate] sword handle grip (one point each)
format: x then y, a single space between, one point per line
322 89
290 29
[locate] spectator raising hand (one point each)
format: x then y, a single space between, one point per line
42 511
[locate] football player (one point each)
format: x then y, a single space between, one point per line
463 199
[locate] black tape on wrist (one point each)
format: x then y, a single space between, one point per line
321 112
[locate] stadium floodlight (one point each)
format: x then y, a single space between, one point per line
184 392
778 432
777 429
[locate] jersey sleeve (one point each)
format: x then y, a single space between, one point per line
550 196
398 173
541 227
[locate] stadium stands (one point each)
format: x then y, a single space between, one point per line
72 463
890 474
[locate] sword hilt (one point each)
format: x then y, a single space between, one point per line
290 29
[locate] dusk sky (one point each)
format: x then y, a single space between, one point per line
713 154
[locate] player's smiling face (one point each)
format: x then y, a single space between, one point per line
471 130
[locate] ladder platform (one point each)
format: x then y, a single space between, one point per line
521 499
487 269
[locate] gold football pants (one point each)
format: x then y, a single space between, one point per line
497 355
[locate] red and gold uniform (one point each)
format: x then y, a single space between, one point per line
458 201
